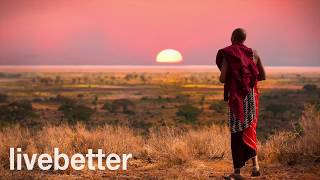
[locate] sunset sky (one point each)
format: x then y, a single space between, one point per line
133 32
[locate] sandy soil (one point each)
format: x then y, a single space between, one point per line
192 170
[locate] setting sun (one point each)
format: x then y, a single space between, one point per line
169 56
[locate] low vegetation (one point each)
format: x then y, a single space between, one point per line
219 107
3 98
189 113
172 118
119 105
296 147
167 145
16 111
76 112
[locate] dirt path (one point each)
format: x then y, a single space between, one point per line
191 170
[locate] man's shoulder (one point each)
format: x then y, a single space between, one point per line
229 47
255 53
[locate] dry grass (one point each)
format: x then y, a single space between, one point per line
69 140
164 145
80 139
309 144
167 145
293 147
175 147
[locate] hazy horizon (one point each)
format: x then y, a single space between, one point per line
144 68
142 65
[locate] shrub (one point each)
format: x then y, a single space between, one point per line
189 113
38 100
74 112
107 106
219 107
310 87
16 111
144 98
3 97
95 100
182 98
140 124
120 105
63 100
277 109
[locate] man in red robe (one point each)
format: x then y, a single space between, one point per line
241 69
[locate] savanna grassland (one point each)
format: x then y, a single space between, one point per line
173 120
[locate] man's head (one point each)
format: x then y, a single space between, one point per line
238 35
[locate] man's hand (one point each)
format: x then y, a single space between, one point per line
262 73
224 69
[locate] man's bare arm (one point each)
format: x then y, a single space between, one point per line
262 73
224 69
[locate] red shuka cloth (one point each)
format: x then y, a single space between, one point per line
242 76
249 135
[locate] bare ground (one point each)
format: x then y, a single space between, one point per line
192 170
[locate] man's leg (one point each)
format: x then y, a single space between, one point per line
236 171
255 169
237 154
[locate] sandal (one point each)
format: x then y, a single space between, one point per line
255 172
233 177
